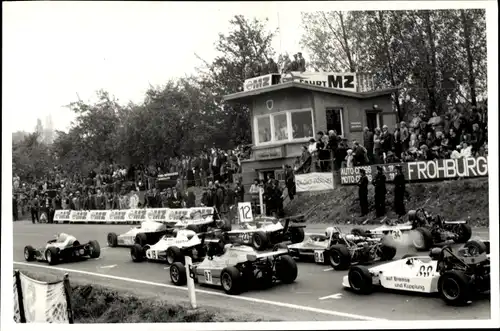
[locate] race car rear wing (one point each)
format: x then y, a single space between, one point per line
255 256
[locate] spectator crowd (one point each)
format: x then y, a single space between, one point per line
459 133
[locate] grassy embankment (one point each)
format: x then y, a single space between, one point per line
464 199
98 304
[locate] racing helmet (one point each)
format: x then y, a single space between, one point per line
435 253
412 215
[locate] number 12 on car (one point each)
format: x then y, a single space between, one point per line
245 212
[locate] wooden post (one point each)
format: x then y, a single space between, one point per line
67 292
20 302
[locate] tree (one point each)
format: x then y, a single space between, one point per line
243 52
31 159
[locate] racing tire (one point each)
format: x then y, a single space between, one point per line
231 280
193 227
260 241
52 255
425 240
112 239
360 280
360 232
174 255
137 253
141 239
464 233
178 274
454 287
29 253
286 269
280 246
94 249
476 247
297 235
387 253
339 257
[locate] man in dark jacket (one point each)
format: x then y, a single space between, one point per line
368 143
35 208
363 192
399 191
100 200
290 181
208 198
239 191
272 67
380 191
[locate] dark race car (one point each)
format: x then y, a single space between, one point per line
65 248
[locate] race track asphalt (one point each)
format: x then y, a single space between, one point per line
306 299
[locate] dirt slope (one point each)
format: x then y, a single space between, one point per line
454 200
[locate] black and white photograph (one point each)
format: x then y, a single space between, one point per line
250 165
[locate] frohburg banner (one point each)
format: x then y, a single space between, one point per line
423 170
316 181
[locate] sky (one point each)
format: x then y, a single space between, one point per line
57 52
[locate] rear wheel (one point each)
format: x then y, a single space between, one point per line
280 246
475 247
178 274
339 257
137 253
141 239
94 249
231 280
422 240
112 239
286 269
260 241
360 280
454 287
29 253
52 255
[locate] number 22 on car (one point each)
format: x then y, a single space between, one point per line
245 212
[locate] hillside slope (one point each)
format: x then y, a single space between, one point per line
465 199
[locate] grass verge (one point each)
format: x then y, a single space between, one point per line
463 199
99 304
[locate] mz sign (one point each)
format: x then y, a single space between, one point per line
342 81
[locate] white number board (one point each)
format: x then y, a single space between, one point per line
245 212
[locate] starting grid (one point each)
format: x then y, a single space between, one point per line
132 216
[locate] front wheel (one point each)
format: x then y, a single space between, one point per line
29 253
174 254
52 255
137 253
94 249
297 235
141 239
112 239
360 280
260 241
178 274
387 253
463 232
454 288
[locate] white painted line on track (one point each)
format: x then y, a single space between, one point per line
333 296
329 269
108 266
242 298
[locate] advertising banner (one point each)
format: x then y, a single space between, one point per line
157 214
136 215
98 216
78 216
62 215
117 216
316 181
422 170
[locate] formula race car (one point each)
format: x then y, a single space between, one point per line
455 276
313 246
64 248
265 232
148 232
238 267
174 248
433 231
342 250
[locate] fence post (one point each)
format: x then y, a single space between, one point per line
67 292
190 281
20 302
261 201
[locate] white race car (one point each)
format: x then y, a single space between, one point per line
313 246
237 268
456 276
173 248
265 232
149 232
